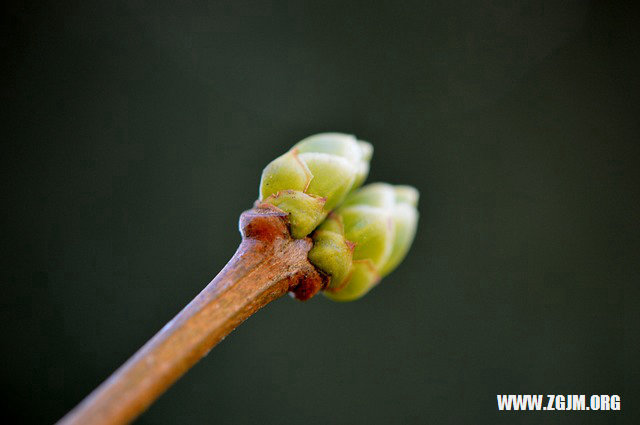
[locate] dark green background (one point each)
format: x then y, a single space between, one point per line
134 136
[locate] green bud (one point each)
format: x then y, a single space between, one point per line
314 177
365 238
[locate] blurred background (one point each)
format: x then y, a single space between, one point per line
135 134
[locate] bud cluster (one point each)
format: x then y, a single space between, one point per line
359 235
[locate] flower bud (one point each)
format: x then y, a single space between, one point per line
314 177
365 238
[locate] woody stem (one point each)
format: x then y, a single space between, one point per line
267 264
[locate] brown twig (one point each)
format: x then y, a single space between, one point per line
267 264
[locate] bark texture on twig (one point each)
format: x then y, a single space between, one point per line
267 264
